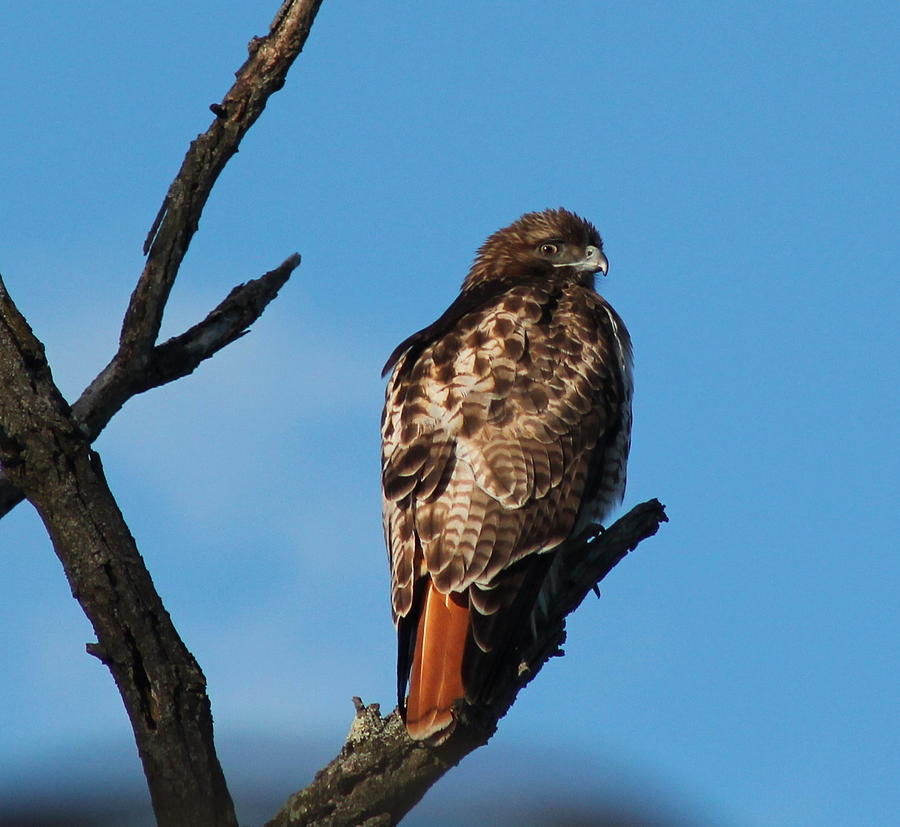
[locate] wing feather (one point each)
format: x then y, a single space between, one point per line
500 436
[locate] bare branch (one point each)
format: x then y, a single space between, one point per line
229 321
178 357
45 454
380 773
181 355
262 74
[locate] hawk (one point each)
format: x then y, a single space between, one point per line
506 429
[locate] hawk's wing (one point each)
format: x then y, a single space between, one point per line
501 429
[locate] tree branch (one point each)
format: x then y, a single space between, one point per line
380 773
182 354
164 691
262 74
45 454
178 357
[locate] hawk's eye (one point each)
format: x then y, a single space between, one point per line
549 249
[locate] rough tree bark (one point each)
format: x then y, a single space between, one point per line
46 457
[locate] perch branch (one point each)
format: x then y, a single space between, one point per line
380 773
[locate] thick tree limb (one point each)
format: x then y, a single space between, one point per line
164 691
380 773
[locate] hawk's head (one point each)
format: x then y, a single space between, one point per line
556 244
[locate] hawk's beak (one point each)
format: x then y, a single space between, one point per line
593 261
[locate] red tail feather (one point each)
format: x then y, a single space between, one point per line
435 681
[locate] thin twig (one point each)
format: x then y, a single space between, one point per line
182 354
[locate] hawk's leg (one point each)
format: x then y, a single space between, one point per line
590 533
554 580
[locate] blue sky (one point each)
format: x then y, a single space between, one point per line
741 162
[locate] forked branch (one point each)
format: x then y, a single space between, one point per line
136 365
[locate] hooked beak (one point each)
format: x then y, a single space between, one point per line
593 261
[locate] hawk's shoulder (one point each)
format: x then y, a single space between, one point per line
479 296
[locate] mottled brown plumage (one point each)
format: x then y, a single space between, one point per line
506 430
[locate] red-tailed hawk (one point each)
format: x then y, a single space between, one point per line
506 430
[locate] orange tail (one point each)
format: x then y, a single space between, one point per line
435 680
